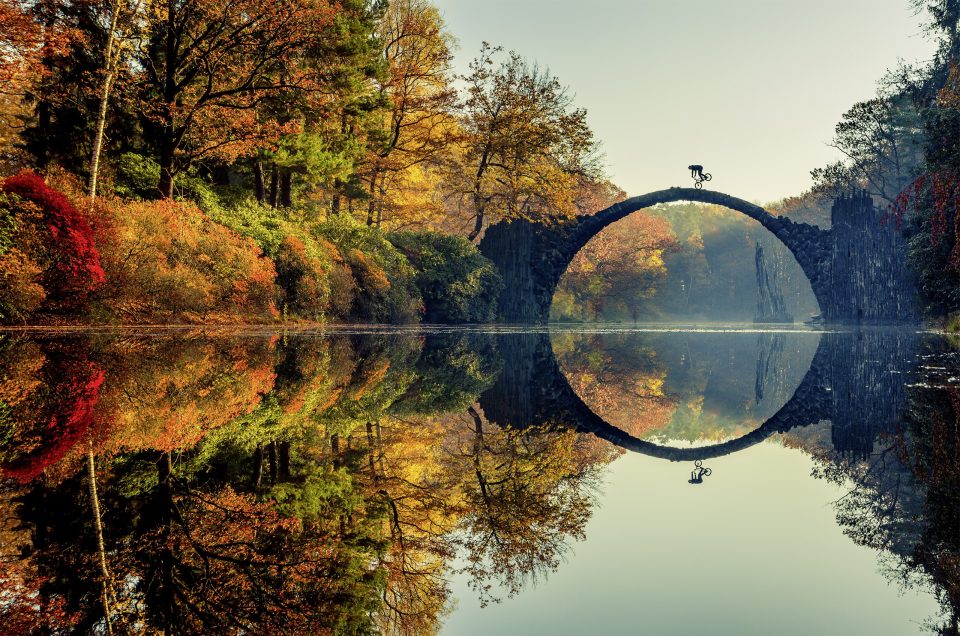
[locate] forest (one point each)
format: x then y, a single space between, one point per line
256 162
235 162
216 171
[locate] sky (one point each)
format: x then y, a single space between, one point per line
750 89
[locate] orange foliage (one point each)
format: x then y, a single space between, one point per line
21 45
619 267
303 278
166 260
227 58
20 290
629 395
343 287
173 392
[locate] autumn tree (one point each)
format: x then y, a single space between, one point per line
623 383
21 41
209 64
330 123
525 146
619 268
21 44
55 93
529 492
126 20
418 126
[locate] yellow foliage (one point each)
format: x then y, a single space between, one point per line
166 260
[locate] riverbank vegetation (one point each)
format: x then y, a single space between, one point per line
325 162
304 161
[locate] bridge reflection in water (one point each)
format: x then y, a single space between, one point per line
856 381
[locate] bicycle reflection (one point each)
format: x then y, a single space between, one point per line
698 473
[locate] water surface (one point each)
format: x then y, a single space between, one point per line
661 480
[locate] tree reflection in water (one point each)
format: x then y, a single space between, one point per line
302 484
903 498
270 485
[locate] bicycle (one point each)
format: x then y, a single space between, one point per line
698 181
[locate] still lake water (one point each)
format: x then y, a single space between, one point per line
605 480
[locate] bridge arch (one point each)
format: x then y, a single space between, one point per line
809 404
855 380
533 391
533 257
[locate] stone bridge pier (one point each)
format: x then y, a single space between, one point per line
856 269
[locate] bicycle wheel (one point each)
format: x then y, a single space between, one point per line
707 176
698 185
707 472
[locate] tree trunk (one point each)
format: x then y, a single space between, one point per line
283 461
286 189
382 190
478 202
257 467
335 203
372 202
478 224
168 136
165 186
110 65
274 186
98 136
259 188
272 454
101 549
370 450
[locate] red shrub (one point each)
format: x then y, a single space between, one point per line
52 409
71 263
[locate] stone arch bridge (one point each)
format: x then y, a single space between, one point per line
856 268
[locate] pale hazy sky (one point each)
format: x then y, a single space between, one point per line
751 89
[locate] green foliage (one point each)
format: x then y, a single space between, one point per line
387 290
383 374
317 158
137 178
343 270
303 264
264 224
453 370
327 493
458 284
240 436
135 476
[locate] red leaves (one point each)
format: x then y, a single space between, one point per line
69 417
943 188
72 264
